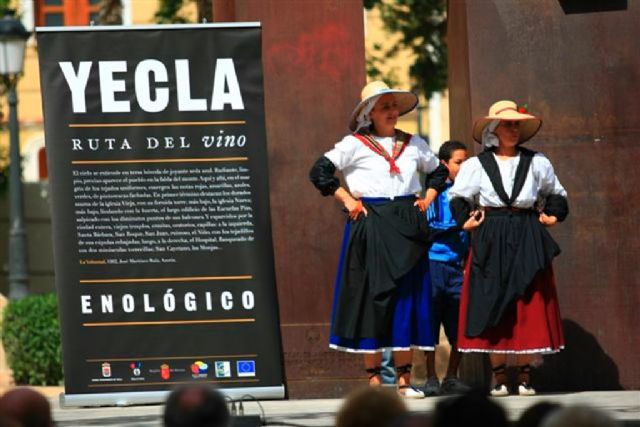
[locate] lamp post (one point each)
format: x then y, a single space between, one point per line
13 39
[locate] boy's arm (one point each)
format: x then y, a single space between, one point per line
435 183
460 210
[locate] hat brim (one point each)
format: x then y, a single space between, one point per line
407 101
529 126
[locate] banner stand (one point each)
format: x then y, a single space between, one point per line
158 397
157 155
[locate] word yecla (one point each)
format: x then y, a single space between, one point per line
151 81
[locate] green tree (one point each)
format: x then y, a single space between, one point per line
5 6
422 25
110 12
31 340
168 11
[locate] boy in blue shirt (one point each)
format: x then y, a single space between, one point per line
446 259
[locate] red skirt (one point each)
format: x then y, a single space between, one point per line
531 325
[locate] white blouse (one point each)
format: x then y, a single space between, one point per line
367 173
474 184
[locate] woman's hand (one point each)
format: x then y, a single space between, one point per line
475 219
548 220
355 208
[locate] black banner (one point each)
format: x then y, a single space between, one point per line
156 148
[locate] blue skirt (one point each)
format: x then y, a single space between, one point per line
411 320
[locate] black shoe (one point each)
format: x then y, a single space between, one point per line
453 385
525 389
499 390
432 387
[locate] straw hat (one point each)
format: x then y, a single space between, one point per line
407 101
508 110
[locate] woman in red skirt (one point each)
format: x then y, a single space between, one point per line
509 303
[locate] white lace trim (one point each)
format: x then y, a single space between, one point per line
379 350
546 350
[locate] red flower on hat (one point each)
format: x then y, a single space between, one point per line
523 109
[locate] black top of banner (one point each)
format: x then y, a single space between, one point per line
149 27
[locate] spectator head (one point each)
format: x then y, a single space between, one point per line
412 419
579 416
196 406
371 407
26 406
471 409
534 415
6 421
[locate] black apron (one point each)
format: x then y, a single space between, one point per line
381 249
508 249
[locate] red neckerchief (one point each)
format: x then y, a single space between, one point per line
399 144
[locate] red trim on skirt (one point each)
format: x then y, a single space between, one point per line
531 325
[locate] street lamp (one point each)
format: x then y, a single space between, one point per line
13 39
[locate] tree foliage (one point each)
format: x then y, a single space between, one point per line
31 340
422 25
110 12
168 12
5 6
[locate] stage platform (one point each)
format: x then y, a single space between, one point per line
622 405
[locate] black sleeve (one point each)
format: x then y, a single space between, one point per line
460 210
437 179
557 206
321 175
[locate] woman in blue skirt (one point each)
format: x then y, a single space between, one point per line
382 292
